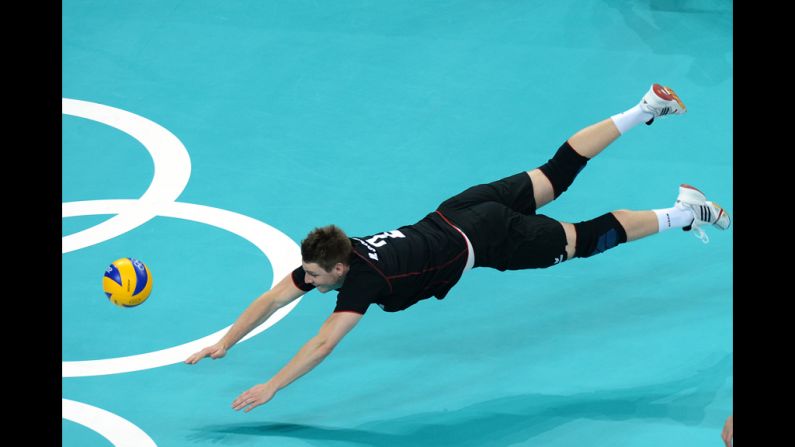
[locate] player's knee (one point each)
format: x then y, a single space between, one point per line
563 167
598 235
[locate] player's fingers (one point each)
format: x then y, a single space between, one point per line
241 400
242 403
198 356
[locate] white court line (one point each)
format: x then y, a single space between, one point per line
171 174
119 431
282 252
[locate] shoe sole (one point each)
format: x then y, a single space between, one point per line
668 94
691 192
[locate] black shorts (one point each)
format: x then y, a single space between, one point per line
500 220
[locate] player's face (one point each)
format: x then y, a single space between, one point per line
324 280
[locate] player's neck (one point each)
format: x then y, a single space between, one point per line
345 270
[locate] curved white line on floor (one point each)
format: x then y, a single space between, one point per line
282 252
119 431
171 174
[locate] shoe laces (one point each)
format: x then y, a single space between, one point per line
699 233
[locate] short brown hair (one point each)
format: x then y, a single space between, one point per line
326 246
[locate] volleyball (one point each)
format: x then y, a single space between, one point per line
127 282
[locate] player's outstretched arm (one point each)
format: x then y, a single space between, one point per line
258 311
310 355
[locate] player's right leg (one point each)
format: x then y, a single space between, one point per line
554 177
690 212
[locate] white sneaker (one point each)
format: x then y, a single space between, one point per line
704 211
661 101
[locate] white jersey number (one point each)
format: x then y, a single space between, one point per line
376 241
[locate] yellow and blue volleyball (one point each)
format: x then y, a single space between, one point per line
127 282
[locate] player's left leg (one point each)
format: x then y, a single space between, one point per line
554 177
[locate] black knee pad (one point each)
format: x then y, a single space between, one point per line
597 235
563 167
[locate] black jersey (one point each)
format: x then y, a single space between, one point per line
398 268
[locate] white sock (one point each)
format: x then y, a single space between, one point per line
630 118
673 218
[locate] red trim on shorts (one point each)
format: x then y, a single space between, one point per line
455 227
465 252
347 311
451 224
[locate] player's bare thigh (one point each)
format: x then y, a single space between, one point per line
542 188
571 239
543 194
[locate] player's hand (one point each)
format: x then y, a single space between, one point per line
254 397
728 432
215 351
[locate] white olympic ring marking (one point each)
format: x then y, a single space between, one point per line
172 170
171 174
263 236
119 431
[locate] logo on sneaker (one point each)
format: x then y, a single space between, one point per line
706 214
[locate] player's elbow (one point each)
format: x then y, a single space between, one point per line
323 347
